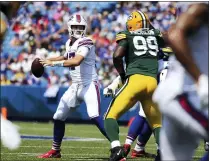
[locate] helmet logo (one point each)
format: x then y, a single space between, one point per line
78 18
130 17
71 18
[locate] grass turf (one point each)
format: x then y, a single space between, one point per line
71 150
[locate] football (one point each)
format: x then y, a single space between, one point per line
37 68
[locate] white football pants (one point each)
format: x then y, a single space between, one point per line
75 95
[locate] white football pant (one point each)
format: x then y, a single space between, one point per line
75 95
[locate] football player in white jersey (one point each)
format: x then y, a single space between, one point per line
80 58
183 96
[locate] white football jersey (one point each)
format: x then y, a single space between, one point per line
85 73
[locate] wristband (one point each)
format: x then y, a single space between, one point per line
58 63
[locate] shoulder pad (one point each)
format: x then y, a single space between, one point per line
121 36
85 41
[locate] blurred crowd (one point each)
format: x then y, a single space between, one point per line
40 30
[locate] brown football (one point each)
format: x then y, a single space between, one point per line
37 68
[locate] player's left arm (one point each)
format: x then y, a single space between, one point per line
75 61
118 60
187 24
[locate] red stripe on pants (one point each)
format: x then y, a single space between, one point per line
98 97
193 112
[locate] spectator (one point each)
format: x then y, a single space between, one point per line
53 78
15 65
65 79
15 41
4 80
122 18
95 20
40 31
18 77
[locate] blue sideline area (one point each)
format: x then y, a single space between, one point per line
28 103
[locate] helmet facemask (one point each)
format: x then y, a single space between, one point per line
77 31
77 26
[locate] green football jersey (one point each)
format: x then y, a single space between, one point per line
141 51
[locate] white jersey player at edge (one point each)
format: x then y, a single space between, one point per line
80 58
183 96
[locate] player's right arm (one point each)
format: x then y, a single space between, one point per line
187 24
119 54
59 58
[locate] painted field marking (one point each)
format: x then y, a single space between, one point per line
36 154
39 137
50 129
95 147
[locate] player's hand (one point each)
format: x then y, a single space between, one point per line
108 92
46 62
202 89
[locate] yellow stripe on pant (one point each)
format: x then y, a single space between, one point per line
137 88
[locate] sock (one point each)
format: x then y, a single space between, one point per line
129 141
205 157
115 143
144 135
157 134
112 129
139 146
134 129
98 121
58 133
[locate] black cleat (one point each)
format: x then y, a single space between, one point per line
117 154
158 157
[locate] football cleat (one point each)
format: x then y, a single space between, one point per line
141 154
117 154
51 154
127 148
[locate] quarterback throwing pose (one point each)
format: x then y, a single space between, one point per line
80 57
139 45
183 96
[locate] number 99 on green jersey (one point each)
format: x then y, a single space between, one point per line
142 49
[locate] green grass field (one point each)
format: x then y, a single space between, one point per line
96 150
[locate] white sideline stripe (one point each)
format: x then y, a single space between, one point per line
96 147
35 154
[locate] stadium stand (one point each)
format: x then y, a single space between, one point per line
40 30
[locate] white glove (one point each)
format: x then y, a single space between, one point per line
202 89
108 92
111 89
10 136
